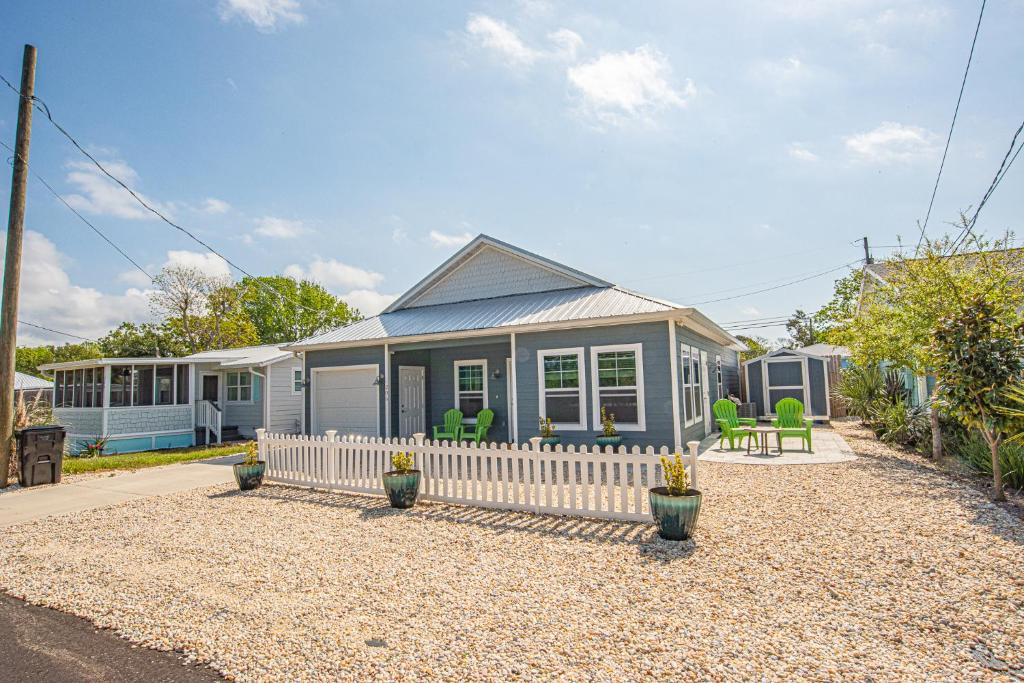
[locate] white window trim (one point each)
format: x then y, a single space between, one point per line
719 377
302 379
455 370
580 425
227 386
638 349
689 416
805 387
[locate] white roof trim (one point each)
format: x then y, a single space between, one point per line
779 352
95 362
445 269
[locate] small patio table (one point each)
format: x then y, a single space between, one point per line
763 433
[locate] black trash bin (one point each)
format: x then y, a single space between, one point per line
40 454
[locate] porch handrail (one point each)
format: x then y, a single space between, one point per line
208 415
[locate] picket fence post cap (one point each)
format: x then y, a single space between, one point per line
260 433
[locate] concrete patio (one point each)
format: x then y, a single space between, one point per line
828 447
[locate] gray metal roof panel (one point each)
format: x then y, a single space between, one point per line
582 303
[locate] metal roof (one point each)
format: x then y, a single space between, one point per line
243 356
24 382
582 303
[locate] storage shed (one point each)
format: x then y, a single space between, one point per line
788 373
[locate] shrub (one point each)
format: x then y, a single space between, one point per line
903 425
547 429
859 388
608 423
252 454
402 461
972 450
676 480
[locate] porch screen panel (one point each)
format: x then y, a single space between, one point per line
617 386
183 379
58 389
120 385
142 387
164 385
79 388
97 388
87 396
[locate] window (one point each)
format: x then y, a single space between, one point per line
718 376
693 380
239 386
297 380
79 388
698 381
164 385
562 387
685 365
618 378
120 385
142 385
470 388
181 391
58 389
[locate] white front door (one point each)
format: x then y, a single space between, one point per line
412 409
704 390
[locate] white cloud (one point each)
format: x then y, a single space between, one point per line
750 310
891 143
500 38
280 228
787 76
400 236
440 239
801 153
208 263
620 86
50 299
215 206
367 301
567 43
97 194
335 275
265 15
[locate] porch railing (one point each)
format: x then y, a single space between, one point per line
585 482
209 416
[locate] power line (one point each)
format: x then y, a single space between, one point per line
45 110
83 218
49 329
785 284
952 124
1004 167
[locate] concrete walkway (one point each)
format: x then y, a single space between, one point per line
86 493
829 447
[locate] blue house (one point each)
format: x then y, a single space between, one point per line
501 328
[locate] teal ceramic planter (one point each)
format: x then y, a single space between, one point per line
676 516
402 488
550 441
249 477
603 441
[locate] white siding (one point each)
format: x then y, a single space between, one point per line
285 406
492 273
246 415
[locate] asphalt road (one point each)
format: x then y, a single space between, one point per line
41 644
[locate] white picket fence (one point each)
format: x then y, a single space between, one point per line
585 482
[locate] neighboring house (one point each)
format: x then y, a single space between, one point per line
501 328
152 403
842 353
29 388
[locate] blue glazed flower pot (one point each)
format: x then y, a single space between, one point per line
676 516
402 487
603 441
550 441
249 477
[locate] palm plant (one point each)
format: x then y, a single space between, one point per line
859 389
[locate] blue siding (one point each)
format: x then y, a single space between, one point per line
730 377
657 382
366 355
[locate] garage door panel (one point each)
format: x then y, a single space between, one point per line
347 401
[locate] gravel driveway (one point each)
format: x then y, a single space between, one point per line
875 569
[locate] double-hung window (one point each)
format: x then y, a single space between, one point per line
618 381
239 385
297 381
562 388
692 382
718 376
470 388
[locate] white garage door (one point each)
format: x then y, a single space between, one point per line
346 400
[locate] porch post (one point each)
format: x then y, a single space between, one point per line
387 391
106 397
513 391
673 364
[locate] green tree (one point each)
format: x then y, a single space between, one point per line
897 319
131 340
756 346
832 320
299 309
980 357
801 330
27 359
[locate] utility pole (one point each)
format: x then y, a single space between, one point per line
12 264
867 253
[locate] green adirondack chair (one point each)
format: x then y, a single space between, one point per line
479 432
452 428
732 427
791 421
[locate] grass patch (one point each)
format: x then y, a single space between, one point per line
133 461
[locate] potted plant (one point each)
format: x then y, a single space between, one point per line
609 436
249 472
403 482
675 507
547 433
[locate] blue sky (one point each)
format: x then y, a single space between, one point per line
360 143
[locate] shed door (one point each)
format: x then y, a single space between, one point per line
347 400
785 378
